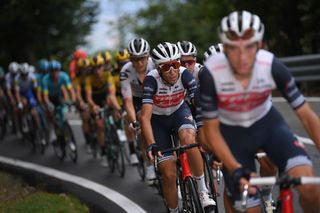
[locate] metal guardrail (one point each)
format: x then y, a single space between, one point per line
304 68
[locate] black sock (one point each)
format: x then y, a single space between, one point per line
87 138
131 147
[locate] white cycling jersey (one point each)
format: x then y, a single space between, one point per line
223 96
166 99
130 83
22 85
195 73
9 78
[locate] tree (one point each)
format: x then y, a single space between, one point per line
292 26
35 29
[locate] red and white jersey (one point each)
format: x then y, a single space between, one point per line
166 99
235 105
130 83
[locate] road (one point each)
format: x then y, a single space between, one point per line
130 186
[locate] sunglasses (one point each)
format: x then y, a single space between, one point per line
188 62
166 67
234 36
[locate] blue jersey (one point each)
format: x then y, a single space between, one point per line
54 89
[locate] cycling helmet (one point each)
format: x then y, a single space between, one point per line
165 52
54 65
213 49
138 47
79 54
106 56
97 60
43 64
83 62
24 68
122 55
13 67
187 48
32 69
241 24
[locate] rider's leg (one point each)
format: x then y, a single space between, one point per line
85 117
168 172
309 194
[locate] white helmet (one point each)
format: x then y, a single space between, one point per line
24 68
32 69
241 24
13 67
165 52
138 47
213 49
187 48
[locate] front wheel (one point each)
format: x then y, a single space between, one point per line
191 201
71 145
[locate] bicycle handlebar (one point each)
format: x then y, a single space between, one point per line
180 148
284 182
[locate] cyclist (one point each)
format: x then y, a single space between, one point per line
73 63
2 84
42 70
164 109
235 96
189 58
84 67
132 76
9 77
57 89
25 88
100 92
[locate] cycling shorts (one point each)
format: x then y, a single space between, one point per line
32 101
163 126
273 136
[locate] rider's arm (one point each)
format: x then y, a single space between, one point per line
9 88
69 88
127 95
286 84
89 92
189 83
112 100
150 87
17 89
45 91
211 123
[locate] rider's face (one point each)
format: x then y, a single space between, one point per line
140 64
242 56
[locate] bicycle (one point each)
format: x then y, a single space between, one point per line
211 180
185 181
65 145
285 183
115 145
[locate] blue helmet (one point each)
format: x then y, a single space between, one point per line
54 65
43 65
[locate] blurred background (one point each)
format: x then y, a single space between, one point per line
34 29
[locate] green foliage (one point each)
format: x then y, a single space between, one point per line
45 202
292 26
35 29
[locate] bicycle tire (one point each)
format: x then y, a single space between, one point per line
140 165
70 143
121 161
3 126
191 198
210 181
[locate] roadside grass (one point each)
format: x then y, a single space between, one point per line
16 196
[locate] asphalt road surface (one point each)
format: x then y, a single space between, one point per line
131 186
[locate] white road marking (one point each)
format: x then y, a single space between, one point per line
75 122
122 201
